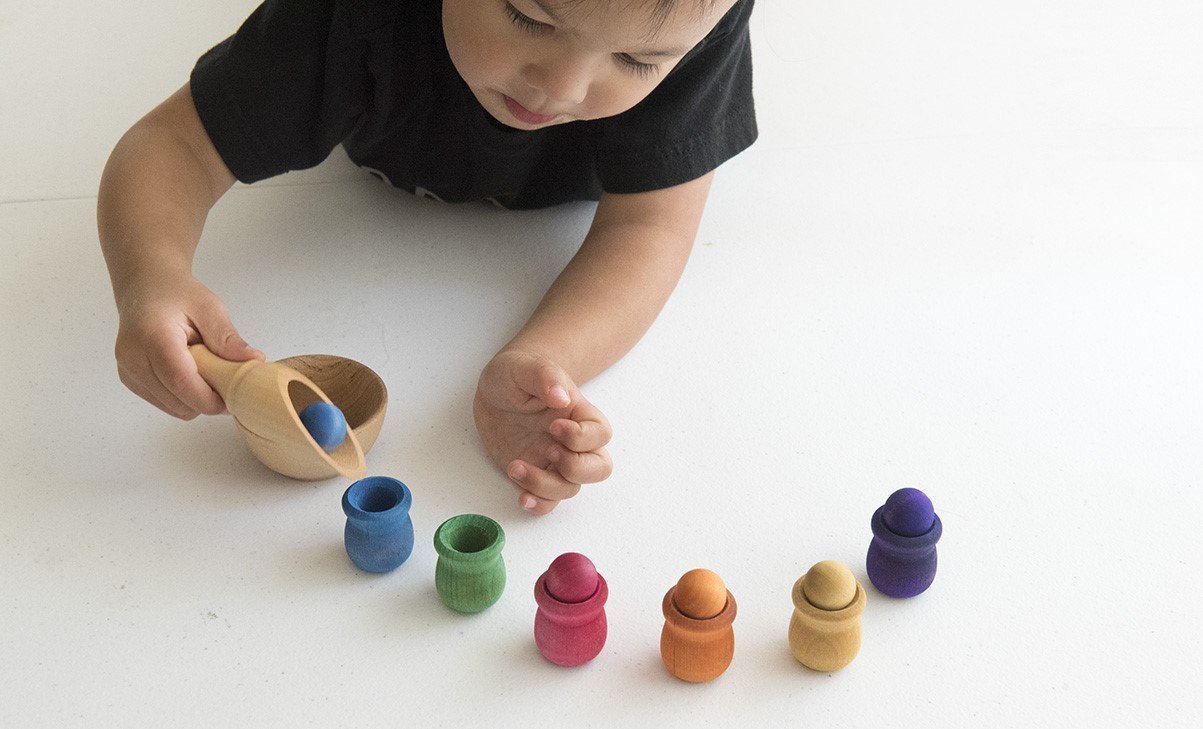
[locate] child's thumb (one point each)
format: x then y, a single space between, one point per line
222 339
551 384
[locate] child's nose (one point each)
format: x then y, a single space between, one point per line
564 79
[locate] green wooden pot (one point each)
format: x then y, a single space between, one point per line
470 574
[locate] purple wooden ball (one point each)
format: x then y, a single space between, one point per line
571 578
909 513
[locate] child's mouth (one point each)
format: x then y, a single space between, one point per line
526 116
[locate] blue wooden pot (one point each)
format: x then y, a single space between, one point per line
379 535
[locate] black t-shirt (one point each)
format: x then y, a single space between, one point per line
301 76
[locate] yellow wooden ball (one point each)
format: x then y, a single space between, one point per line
829 585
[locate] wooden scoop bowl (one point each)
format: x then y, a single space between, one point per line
266 397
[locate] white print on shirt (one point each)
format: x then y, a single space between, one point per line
378 174
421 192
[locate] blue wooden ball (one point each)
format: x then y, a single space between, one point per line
325 423
909 513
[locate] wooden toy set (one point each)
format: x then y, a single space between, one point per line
315 416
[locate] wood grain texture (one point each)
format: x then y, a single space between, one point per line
700 594
694 649
570 621
470 572
571 578
355 388
826 639
265 398
379 533
829 585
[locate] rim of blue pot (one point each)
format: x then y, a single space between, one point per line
352 498
445 535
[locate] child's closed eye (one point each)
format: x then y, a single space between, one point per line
530 25
526 22
639 68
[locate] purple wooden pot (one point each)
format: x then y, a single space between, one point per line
902 556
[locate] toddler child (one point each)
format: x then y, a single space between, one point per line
525 103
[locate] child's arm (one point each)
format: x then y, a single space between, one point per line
613 289
549 442
157 188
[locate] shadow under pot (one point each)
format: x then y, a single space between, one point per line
379 535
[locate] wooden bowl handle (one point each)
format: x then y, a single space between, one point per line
219 373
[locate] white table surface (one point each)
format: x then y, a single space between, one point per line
966 255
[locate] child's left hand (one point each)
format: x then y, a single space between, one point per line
539 429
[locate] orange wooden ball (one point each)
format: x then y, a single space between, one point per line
700 594
829 585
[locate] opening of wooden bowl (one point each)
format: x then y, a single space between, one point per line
353 387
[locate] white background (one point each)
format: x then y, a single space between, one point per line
965 255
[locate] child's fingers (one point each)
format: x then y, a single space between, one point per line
540 482
588 467
146 385
580 436
219 335
176 411
176 370
136 387
548 382
536 505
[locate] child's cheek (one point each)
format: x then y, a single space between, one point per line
617 95
475 46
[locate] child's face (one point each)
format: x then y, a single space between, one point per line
535 63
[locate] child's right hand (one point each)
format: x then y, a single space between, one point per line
160 317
